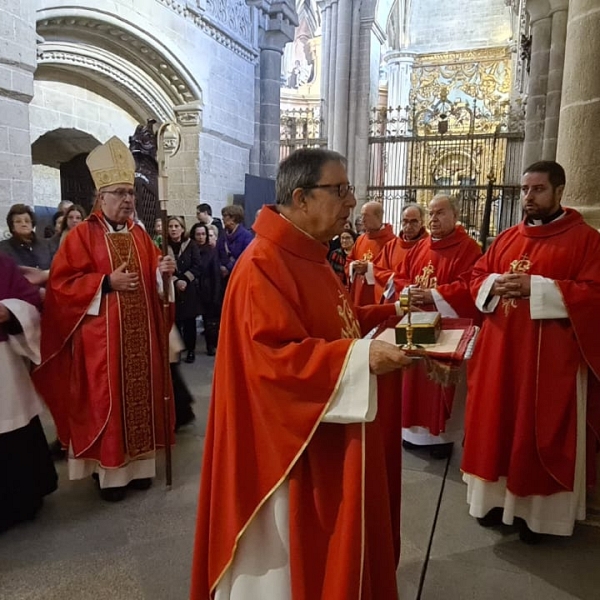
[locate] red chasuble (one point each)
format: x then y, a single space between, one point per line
367 247
390 258
521 409
102 376
446 266
287 328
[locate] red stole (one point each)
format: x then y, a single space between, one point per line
102 376
276 372
521 411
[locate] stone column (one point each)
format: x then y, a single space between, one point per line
325 8
580 110
17 65
185 170
331 91
342 77
277 21
371 38
399 68
535 117
556 65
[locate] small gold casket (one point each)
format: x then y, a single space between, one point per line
426 328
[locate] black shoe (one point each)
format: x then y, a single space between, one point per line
410 446
527 536
187 418
211 351
56 450
140 484
493 518
190 358
113 494
441 451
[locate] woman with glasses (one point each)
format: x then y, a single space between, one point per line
209 285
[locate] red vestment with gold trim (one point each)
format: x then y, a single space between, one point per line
390 258
287 329
521 420
367 247
102 376
445 265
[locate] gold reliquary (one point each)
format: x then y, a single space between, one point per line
426 327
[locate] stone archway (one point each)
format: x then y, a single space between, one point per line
130 75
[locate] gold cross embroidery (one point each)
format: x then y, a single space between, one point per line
427 279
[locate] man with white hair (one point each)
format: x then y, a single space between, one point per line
438 269
364 289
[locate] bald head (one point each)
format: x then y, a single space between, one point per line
372 215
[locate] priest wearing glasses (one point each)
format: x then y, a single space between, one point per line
101 373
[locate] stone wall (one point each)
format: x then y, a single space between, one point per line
439 26
204 75
17 63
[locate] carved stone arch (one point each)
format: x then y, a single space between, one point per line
126 63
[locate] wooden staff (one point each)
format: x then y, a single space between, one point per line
162 148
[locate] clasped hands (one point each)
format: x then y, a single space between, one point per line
420 297
360 267
512 285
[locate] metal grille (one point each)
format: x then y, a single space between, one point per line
300 128
416 154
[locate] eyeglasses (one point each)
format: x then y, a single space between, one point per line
122 193
341 188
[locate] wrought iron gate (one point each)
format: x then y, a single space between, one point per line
447 148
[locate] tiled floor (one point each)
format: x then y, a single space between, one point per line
81 548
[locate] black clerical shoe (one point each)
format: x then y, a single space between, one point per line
441 451
113 494
140 484
527 536
56 450
493 518
211 351
191 357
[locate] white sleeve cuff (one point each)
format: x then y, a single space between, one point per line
356 398
351 272
370 275
546 301
26 343
94 309
442 306
484 292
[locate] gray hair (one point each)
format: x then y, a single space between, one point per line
452 201
417 206
302 169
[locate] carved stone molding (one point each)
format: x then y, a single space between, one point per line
110 69
234 14
92 32
234 19
189 115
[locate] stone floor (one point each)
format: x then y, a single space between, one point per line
81 548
